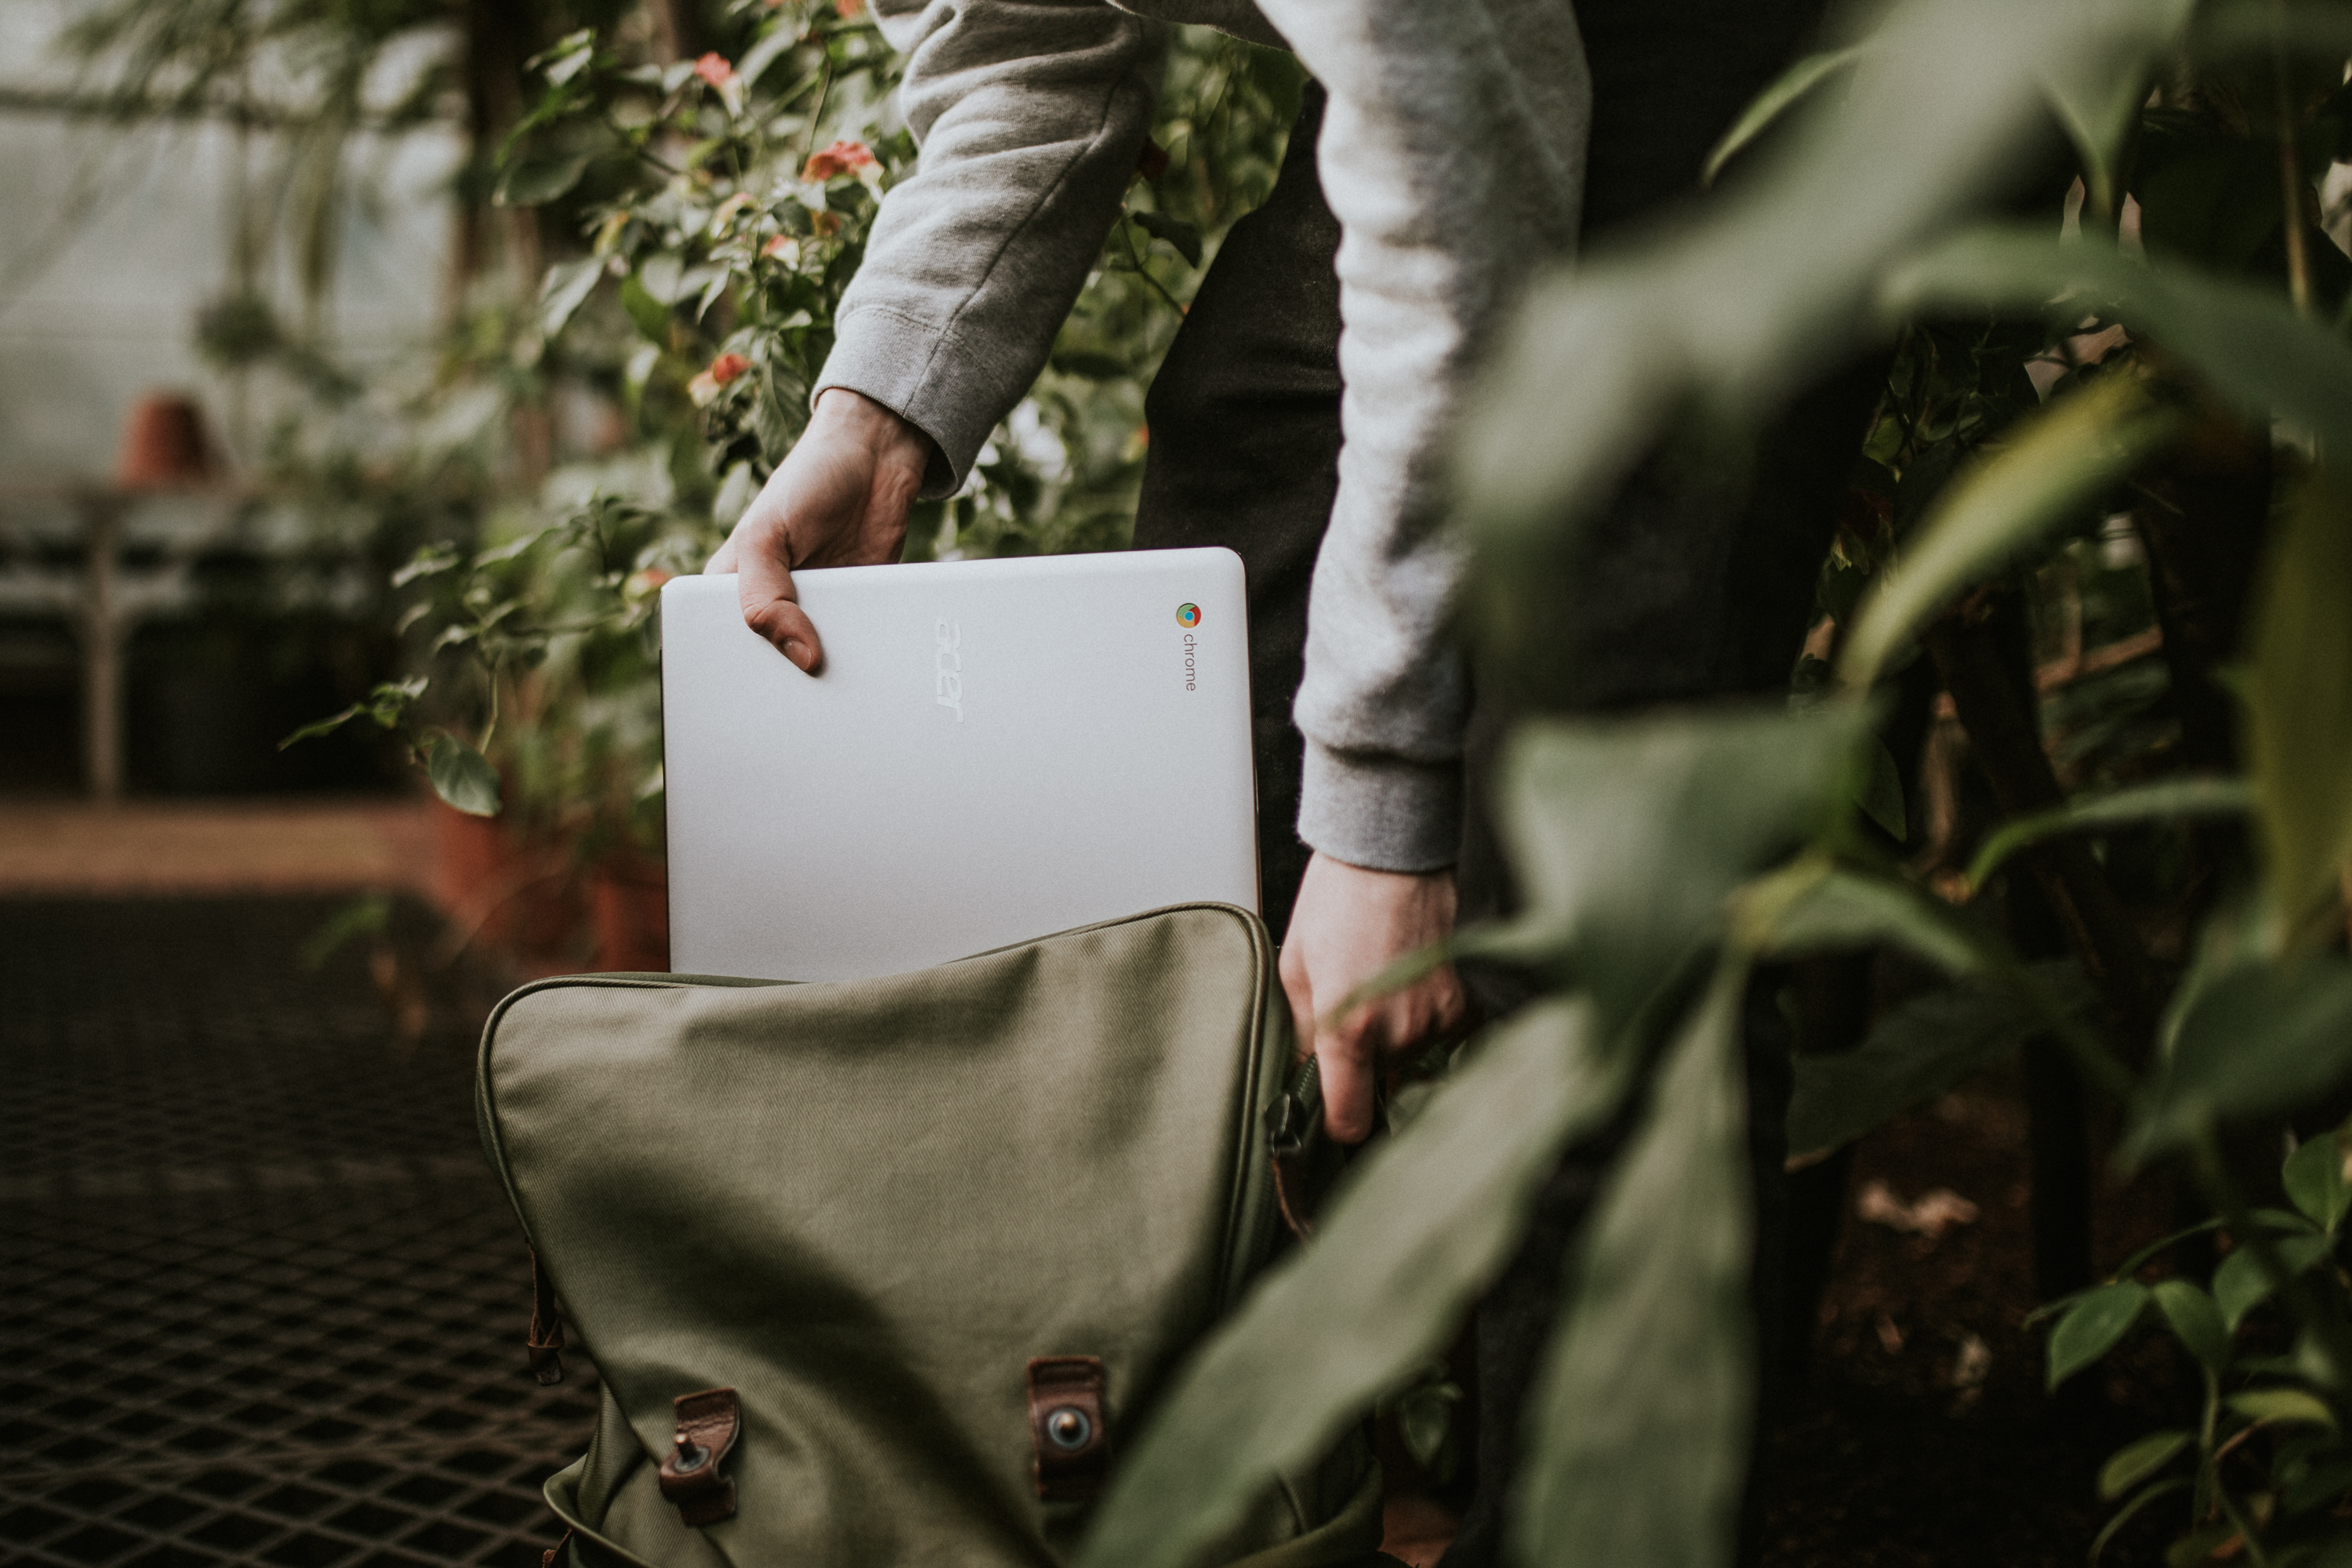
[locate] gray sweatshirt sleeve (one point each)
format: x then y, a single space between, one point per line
1031 115
1453 155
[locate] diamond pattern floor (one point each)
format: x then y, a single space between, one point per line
261 1299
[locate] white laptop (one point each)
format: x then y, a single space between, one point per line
992 750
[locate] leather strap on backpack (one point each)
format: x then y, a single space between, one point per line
544 1343
707 1424
1069 1427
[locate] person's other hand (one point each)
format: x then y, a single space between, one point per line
1349 924
840 499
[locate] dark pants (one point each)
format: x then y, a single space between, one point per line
1698 584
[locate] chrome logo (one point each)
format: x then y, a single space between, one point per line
1188 614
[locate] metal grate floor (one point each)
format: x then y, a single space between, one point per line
261 1300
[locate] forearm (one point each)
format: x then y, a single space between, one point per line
1031 114
1451 152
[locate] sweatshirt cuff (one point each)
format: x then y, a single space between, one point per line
896 361
1381 812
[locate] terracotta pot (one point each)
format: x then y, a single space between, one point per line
628 895
504 892
163 445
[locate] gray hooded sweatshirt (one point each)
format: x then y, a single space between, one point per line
1452 153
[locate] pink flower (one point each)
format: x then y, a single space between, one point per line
714 69
849 7
841 158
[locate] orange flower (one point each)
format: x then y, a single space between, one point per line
704 388
714 69
849 7
841 158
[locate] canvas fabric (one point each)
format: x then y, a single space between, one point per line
866 1205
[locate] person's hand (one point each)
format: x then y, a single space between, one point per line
1349 924
840 499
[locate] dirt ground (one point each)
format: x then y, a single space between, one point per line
1923 1437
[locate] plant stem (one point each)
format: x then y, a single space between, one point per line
816 115
2291 190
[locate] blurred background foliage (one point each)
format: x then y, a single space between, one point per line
658 211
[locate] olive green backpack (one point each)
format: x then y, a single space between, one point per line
886 1271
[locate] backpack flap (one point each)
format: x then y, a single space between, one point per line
870 1212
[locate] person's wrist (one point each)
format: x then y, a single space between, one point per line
881 429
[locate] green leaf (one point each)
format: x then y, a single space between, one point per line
2283 1407
1809 908
1639 1418
2257 1039
2101 112
649 315
2315 1180
2124 808
2135 1462
1787 89
2239 1285
368 915
1916 1049
2195 1321
1183 238
462 776
763 54
1424 1415
567 284
2246 342
1419 1228
1628 837
1881 797
2092 1326
537 181
2067 457
2299 723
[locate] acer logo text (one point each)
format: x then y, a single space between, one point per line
946 667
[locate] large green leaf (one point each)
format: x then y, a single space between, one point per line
2257 1039
1916 1049
2299 721
2130 807
1736 310
1629 836
2091 1326
1639 1418
2247 342
2067 457
1421 1225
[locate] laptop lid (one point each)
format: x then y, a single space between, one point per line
992 752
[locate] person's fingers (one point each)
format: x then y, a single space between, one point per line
772 607
1300 994
722 560
1344 1057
